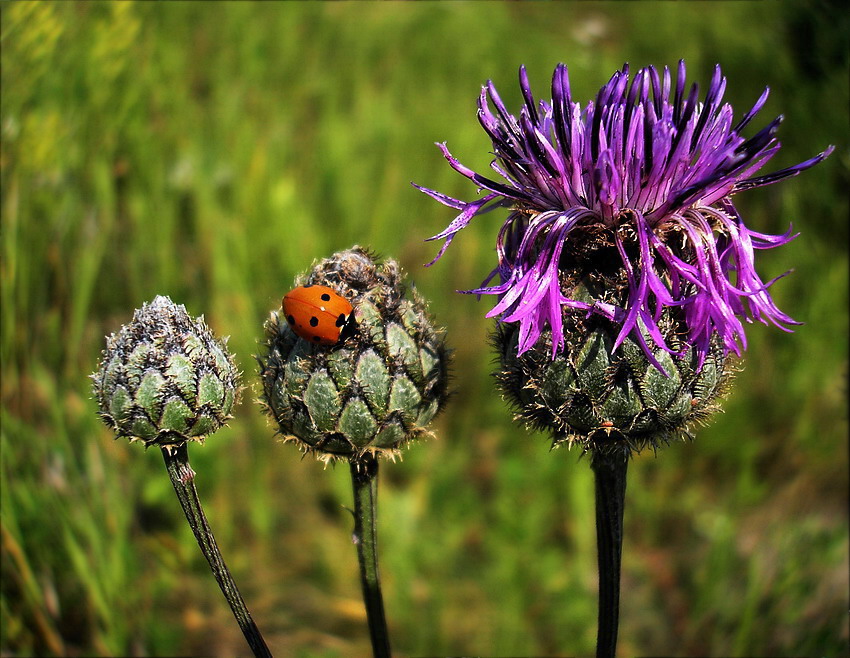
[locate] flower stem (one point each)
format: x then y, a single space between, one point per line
183 478
364 479
609 468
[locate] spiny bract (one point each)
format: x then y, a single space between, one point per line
373 391
164 378
599 397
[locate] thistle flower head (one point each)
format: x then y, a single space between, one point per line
375 389
635 186
164 378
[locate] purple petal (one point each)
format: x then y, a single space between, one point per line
666 167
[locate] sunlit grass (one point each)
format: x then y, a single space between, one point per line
210 152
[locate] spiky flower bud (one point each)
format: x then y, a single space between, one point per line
378 387
164 378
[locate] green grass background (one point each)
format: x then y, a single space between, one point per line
212 151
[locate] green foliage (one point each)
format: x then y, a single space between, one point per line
209 152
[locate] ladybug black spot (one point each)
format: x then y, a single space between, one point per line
340 321
290 319
314 321
316 339
326 297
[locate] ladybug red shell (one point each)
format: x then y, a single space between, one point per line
317 313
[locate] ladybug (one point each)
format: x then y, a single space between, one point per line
317 314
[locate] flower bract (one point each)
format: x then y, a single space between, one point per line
373 391
164 378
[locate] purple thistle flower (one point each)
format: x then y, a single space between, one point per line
648 175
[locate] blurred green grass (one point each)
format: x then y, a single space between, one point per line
210 152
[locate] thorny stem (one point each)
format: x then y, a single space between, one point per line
364 479
609 468
183 478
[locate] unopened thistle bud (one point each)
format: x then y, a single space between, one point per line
365 381
624 269
164 378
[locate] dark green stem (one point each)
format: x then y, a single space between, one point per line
609 468
183 478
364 478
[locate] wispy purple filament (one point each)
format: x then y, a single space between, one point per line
633 159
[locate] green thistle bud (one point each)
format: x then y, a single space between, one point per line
598 397
373 391
164 378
